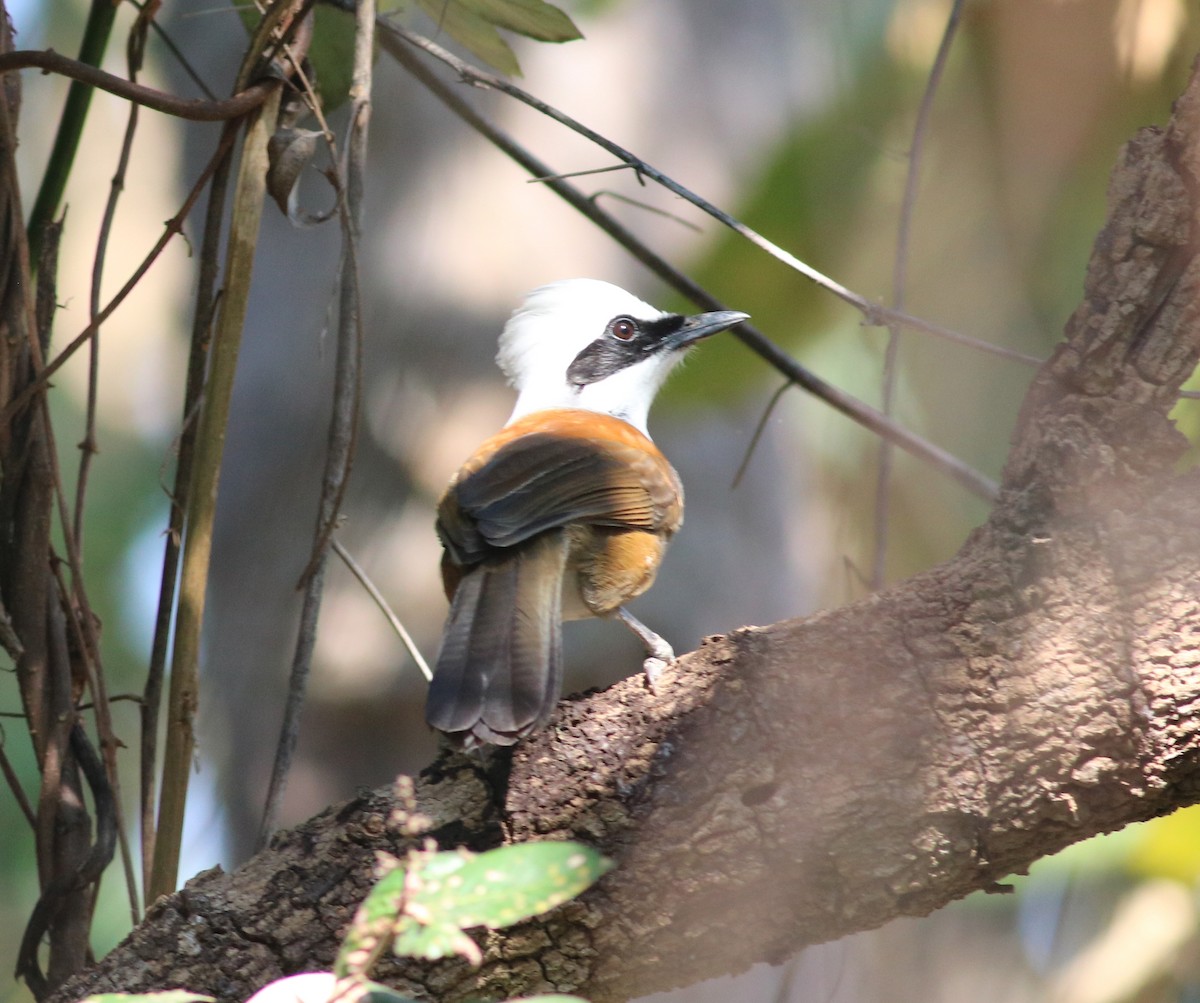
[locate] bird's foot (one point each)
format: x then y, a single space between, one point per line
653 667
659 654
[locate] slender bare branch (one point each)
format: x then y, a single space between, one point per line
62 835
173 226
874 314
758 431
88 447
184 63
14 781
899 284
135 52
645 207
347 396
755 340
394 621
198 111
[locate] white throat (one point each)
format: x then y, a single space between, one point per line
626 395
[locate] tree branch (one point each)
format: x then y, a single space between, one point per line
874 314
794 783
50 61
868 417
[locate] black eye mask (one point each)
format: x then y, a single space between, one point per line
612 352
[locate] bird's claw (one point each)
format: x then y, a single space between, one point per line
653 667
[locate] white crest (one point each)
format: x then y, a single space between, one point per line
557 322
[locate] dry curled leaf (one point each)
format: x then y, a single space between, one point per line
290 151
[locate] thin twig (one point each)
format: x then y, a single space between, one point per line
88 447
856 410
75 606
81 625
758 431
277 27
611 168
347 395
192 109
135 698
14 781
173 226
175 51
899 287
646 207
373 591
874 314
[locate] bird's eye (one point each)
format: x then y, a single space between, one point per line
623 329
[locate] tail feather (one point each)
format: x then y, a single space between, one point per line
499 672
455 697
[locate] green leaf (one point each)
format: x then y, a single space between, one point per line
166 996
427 912
474 33
473 24
434 938
428 930
372 926
331 54
533 18
506 885
249 16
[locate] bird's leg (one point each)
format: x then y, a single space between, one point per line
659 654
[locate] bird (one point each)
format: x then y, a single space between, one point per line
564 513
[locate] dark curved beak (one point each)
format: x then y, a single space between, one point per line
702 325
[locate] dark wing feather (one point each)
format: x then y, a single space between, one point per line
542 481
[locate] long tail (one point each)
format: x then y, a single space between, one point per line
499 672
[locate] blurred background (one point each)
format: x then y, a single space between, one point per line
796 116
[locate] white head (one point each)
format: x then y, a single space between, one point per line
582 343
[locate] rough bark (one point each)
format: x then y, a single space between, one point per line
795 783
